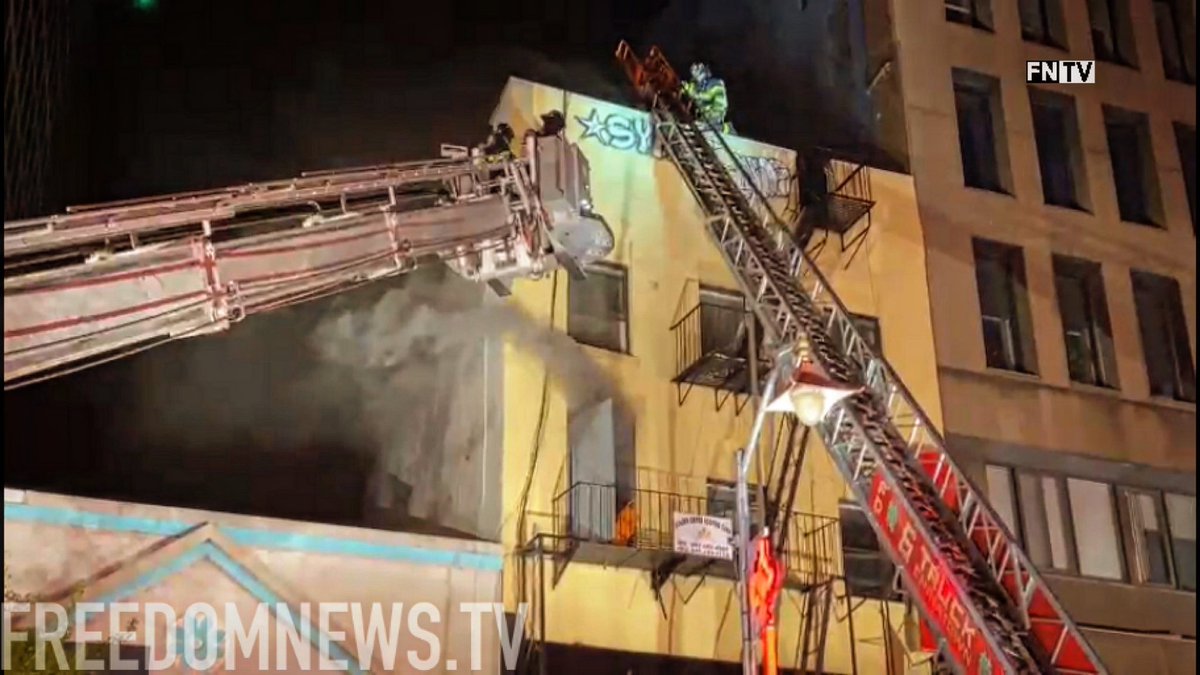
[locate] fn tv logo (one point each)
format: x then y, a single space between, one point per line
1060 72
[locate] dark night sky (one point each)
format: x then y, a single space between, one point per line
202 93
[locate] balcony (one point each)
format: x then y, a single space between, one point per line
836 198
636 531
712 349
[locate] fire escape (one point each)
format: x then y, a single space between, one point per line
716 347
835 201
602 525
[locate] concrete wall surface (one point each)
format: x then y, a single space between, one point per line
78 550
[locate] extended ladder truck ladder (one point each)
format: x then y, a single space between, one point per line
976 589
103 282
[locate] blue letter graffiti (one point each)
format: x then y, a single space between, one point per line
630 133
619 132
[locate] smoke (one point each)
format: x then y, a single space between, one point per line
425 362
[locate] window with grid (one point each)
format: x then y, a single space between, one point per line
598 308
1166 344
1004 307
1087 333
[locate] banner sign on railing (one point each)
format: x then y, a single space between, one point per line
707 536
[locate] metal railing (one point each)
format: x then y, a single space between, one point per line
644 520
710 329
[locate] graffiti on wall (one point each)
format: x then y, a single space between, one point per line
634 133
618 131
773 178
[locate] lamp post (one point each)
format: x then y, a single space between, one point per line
809 394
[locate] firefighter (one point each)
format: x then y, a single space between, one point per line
553 124
499 141
710 98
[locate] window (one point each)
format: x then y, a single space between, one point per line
1003 496
1044 521
981 137
1083 306
868 329
1181 519
868 569
721 499
1096 533
1072 525
1151 546
1185 142
1004 305
598 308
1133 166
1059 149
1176 39
723 322
1165 341
975 13
1042 21
1112 37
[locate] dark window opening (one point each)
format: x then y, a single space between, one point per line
1042 22
866 326
1004 307
1083 306
1176 39
598 308
974 13
1165 341
1185 142
1133 166
869 571
723 323
980 130
1112 36
721 499
1059 149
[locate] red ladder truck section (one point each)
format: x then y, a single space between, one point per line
983 599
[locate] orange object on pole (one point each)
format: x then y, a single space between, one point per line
765 584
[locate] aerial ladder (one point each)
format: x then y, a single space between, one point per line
975 588
101 282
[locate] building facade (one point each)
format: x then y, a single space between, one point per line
1031 275
1060 247
596 477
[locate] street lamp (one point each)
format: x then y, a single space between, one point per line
810 395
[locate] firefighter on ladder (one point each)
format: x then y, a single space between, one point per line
710 98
